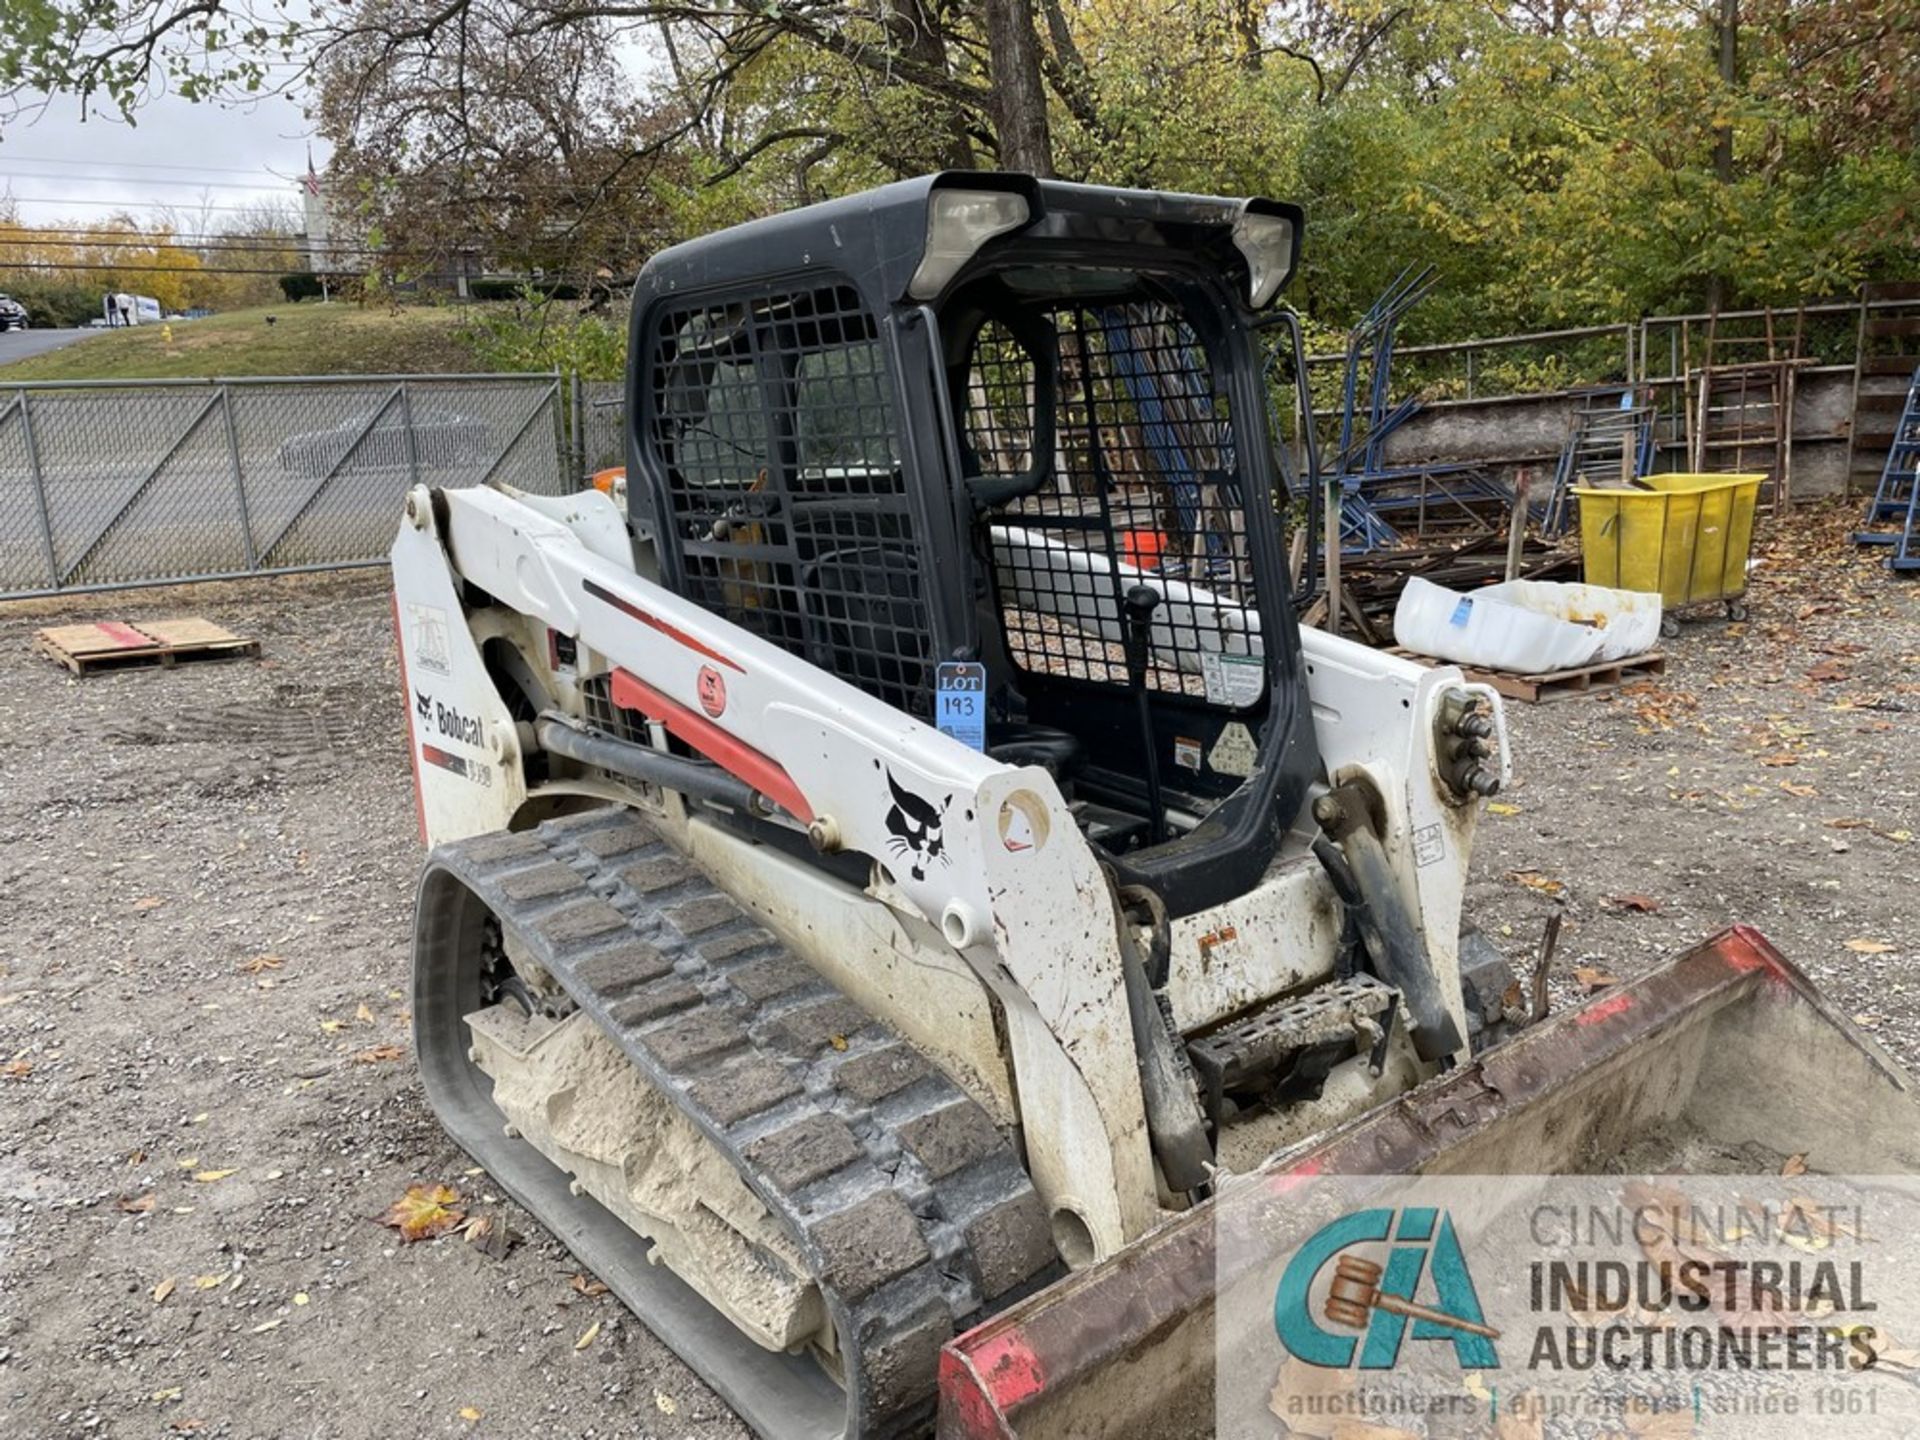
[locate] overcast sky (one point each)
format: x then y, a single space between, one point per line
188 156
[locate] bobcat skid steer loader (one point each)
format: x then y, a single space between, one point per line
897 847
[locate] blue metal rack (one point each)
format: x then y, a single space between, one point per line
1896 500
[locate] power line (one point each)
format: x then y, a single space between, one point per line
240 245
149 269
134 164
126 204
137 269
274 181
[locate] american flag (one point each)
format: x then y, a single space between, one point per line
312 180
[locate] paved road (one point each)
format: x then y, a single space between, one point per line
23 344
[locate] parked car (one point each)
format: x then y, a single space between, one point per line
442 440
13 315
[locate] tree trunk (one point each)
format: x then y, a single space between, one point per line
1019 99
1728 31
914 29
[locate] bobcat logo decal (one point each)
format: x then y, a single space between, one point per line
913 829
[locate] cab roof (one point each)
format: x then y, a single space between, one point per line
877 237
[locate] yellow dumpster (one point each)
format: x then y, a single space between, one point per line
1686 536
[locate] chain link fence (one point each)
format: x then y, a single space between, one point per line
110 484
600 435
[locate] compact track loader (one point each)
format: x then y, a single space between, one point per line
896 847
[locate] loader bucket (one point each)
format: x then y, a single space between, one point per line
1726 1046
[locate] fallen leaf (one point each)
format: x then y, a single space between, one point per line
139 1205
1805 792
378 1053
333 1027
1642 904
838 1042
148 902
302 1298
1589 979
1366 1430
1899 837
363 1014
1534 880
1520 1420
207 1177
266 1325
587 1336
1306 1397
469 1414
424 1212
1796 1165
164 1289
1862 946
17 1069
259 963
1779 758
1500 807
665 1403
1828 671
1645 1424
1899 1356
588 1286
489 1235
209 1282
187 1427
162 1397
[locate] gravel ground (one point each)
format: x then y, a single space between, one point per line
203 950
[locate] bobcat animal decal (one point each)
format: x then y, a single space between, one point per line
914 828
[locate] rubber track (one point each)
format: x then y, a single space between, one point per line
914 1213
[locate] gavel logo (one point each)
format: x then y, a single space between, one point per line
1355 1294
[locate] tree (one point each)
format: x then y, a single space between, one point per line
1556 160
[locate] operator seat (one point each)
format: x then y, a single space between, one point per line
1017 742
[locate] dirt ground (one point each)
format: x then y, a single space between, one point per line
204 911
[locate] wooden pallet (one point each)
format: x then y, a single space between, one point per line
114 644
1559 683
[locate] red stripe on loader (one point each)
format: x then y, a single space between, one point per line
729 752
672 632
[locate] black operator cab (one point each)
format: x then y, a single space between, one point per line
982 418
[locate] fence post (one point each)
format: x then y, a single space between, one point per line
413 441
39 491
1469 374
239 475
579 429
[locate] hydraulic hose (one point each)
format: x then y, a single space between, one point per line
1387 924
1175 1126
641 762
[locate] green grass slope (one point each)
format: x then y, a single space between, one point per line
305 339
